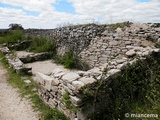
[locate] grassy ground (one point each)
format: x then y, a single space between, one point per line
29 91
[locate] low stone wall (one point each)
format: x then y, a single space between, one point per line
55 87
115 45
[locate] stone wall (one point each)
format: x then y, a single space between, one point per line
61 89
71 37
97 44
53 88
109 54
117 44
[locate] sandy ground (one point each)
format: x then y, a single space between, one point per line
46 67
12 106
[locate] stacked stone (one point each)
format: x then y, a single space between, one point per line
76 37
17 64
120 44
53 88
70 37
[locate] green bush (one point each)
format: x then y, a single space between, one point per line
41 44
12 37
71 61
158 45
67 102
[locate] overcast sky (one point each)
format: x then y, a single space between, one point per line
53 13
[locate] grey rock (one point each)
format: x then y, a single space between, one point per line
27 81
77 84
59 75
119 30
113 43
119 61
131 53
147 43
57 70
54 88
76 101
5 50
105 33
69 77
86 80
55 82
44 80
113 71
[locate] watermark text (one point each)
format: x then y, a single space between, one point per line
137 115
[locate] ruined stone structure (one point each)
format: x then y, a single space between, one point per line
113 51
71 37
109 51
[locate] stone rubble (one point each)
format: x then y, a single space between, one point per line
17 64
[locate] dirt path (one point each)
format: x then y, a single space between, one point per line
12 106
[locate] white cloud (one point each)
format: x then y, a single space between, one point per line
119 10
32 5
106 11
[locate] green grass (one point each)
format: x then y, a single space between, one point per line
38 44
26 90
117 25
12 36
71 61
41 44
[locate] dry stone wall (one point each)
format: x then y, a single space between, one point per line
122 43
111 53
71 37
59 83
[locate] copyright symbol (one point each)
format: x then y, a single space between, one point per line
127 115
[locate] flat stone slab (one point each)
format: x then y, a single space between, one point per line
21 54
45 80
86 80
76 101
69 77
147 43
77 84
27 81
45 67
130 53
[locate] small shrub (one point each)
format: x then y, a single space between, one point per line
150 38
158 45
68 104
71 61
12 37
117 25
41 44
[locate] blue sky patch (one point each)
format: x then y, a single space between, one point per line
17 7
141 1
64 6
